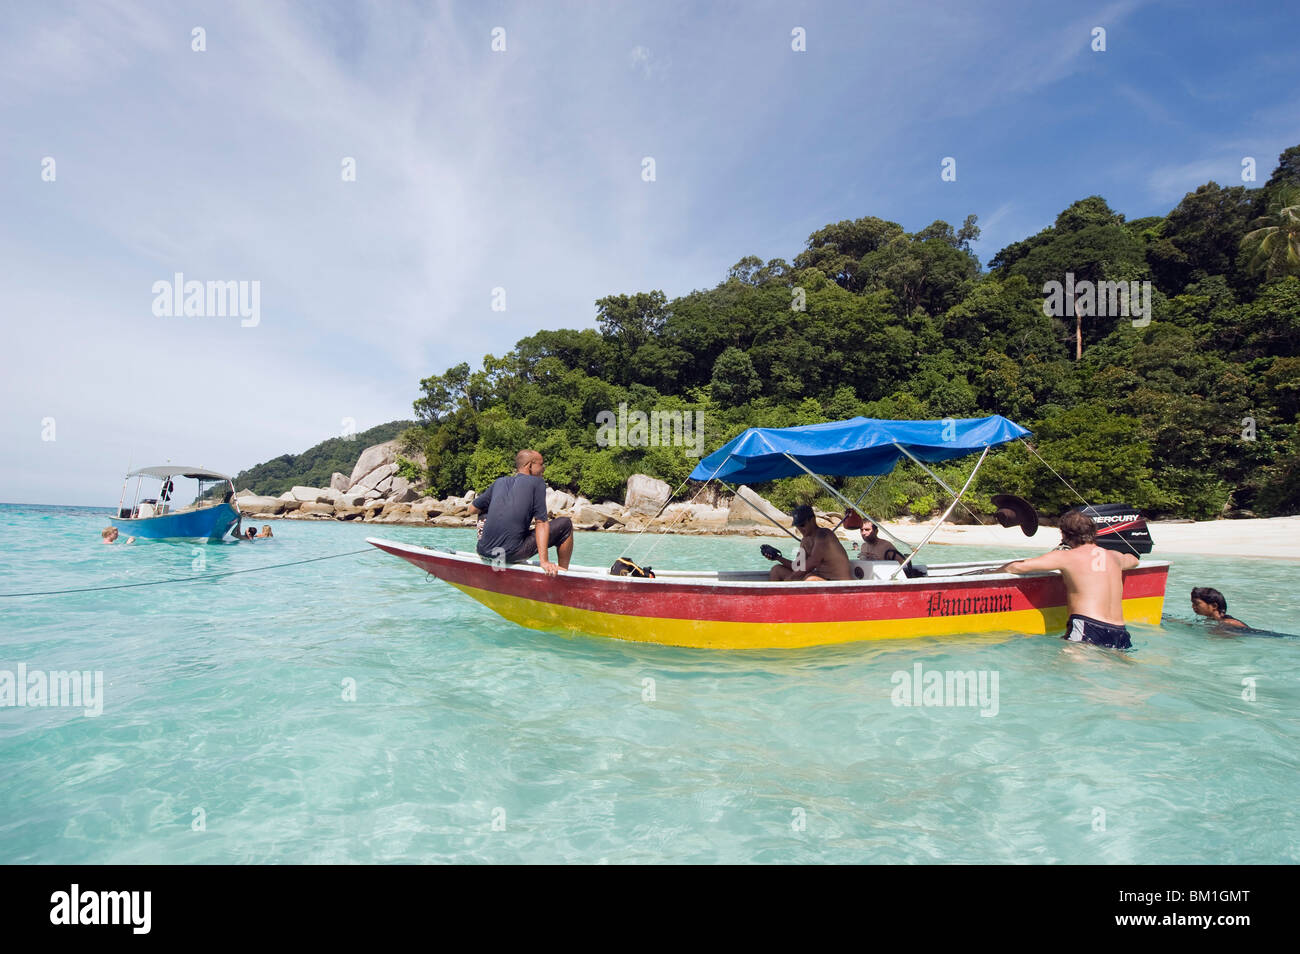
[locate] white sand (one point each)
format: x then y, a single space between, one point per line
1277 537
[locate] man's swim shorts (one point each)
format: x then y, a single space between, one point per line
1085 629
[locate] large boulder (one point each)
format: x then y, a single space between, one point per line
401 491
743 512
348 498
261 505
311 495
374 478
339 481
424 509
597 516
313 507
394 513
694 516
645 494
371 459
245 493
447 520
557 501
710 494
452 506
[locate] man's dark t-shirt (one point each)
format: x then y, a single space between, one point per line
511 503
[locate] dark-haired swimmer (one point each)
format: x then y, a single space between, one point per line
1209 602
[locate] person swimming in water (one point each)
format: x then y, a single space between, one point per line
1209 602
1094 582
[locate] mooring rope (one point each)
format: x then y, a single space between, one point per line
1072 490
664 530
190 579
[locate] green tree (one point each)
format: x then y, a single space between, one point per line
1273 246
837 250
601 478
734 379
443 394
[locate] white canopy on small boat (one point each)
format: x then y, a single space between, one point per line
173 470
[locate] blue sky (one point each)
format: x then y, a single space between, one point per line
521 169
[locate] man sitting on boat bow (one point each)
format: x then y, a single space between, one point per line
820 556
511 502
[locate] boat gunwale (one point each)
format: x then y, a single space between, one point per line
711 577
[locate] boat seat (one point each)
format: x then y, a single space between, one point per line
145 510
873 569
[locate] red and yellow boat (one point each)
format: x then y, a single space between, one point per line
745 610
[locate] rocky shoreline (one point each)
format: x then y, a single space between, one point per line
374 493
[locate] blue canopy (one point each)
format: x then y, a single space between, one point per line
853 448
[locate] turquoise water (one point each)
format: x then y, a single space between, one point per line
473 740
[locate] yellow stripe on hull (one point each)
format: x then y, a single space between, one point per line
715 634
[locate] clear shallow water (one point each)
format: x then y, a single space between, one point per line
226 695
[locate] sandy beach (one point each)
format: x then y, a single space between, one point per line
1275 537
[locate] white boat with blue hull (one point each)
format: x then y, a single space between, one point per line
212 514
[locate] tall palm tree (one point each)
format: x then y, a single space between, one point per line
1275 244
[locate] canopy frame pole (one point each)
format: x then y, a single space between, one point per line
663 531
838 496
854 506
951 507
788 532
937 479
964 506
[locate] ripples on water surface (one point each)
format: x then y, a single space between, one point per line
226 695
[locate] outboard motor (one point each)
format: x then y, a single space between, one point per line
1120 528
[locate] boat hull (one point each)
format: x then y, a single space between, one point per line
209 523
726 614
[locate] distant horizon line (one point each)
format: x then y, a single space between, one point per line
10 503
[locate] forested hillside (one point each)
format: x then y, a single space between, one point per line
1192 413
314 466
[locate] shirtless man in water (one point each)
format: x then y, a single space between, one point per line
821 556
1094 582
